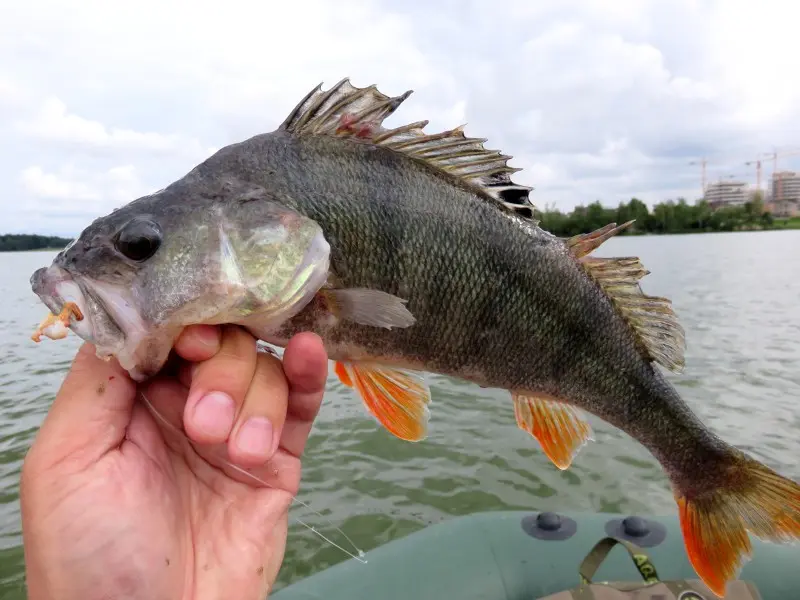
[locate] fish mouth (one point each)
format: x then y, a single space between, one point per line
55 287
108 315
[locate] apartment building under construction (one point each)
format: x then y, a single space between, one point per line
783 199
727 193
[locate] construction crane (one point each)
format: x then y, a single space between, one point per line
777 193
702 162
757 163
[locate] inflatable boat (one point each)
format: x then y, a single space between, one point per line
527 556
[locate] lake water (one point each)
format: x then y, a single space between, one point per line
737 295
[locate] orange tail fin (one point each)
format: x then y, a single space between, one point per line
715 522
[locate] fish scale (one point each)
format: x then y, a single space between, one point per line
409 252
512 279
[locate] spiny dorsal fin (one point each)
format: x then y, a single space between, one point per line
358 113
652 318
582 244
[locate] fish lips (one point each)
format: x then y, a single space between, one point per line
55 286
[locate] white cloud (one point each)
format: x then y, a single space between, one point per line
54 123
82 193
12 94
58 187
593 99
70 197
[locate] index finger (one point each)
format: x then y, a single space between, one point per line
305 364
197 343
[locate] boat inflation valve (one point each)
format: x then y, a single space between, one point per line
549 526
640 531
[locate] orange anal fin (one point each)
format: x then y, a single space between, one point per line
715 524
341 372
397 398
559 428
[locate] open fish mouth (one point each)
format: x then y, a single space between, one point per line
69 309
96 313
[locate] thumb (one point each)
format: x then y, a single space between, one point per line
90 413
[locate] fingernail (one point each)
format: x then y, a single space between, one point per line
255 437
209 336
214 415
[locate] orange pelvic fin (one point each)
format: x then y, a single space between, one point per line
397 398
715 522
559 427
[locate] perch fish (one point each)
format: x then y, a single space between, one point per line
410 252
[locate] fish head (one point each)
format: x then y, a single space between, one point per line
142 273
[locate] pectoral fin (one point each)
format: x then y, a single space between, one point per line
397 398
369 307
559 427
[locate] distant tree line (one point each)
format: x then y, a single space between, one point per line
666 217
11 242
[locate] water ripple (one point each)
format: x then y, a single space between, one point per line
735 294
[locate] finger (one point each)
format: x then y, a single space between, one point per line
259 424
164 396
219 386
305 364
198 342
163 399
186 371
92 408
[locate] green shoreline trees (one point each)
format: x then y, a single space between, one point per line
666 217
11 242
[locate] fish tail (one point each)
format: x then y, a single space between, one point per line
715 520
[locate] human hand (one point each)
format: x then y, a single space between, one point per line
116 506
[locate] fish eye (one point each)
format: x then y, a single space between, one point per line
138 240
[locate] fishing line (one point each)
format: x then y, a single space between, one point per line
360 553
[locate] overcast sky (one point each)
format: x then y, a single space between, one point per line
102 102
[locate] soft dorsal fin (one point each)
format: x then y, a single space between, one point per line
358 113
657 328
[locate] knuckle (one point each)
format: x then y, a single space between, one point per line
269 374
232 376
237 344
238 335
